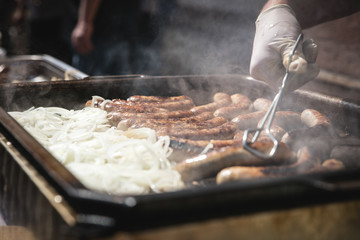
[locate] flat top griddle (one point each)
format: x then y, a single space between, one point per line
193 204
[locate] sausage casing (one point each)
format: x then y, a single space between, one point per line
206 165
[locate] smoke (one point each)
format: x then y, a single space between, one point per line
209 37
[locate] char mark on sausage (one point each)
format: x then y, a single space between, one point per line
201 119
171 125
305 162
207 165
116 117
171 106
224 131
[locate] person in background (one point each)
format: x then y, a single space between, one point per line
6 9
47 23
278 26
116 37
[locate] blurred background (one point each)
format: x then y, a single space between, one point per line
169 37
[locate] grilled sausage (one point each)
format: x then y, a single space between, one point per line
142 98
333 164
220 97
169 105
224 131
125 106
115 117
230 112
197 119
249 120
239 135
329 165
349 155
262 104
210 107
110 107
158 124
207 165
239 173
240 105
240 100
312 117
199 145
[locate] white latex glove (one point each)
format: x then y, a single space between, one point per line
276 32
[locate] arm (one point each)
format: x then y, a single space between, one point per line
313 12
278 26
19 12
81 35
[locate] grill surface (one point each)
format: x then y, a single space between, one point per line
28 169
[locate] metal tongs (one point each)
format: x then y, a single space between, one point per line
269 116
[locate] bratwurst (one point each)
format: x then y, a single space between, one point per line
207 165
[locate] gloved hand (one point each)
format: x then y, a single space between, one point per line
276 32
81 38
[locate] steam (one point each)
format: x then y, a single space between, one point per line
209 37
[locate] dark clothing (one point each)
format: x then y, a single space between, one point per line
6 10
47 37
49 28
125 40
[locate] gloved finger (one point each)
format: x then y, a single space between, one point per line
296 80
297 63
268 70
310 50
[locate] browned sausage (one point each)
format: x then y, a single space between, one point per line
126 123
142 98
169 105
239 135
240 105
120 105
249 120
224 131
115 117
349 155
262 104
230 112
110 107
333 164
329 165
199 145
312 117
241 100
303 164
220 97
210 107
207 165
174 125
238 173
